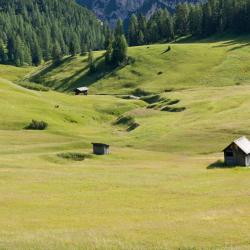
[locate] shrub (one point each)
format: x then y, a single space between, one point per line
33 86
128 121
125 120
151 98
133 126
37 125
173 109
73 156
140 92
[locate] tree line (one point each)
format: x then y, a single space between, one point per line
32 31
116 48
200 20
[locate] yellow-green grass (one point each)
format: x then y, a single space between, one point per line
161 187
13 73
221 63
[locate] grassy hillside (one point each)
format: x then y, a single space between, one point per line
162 186
186 65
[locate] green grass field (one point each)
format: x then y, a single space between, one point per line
162 186
189 65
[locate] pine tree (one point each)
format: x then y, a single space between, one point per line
133 31
18 52
46 44
182 19
11 48
140 40
119 29
142 24
91 63
27 55
57 53
36 52
2 52
84 49
40 24
195 20
167 29
120 48
108 54
74 47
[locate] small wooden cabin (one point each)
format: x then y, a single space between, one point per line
238 153
100 149
81 91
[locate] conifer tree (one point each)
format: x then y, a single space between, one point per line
57 53
36 52
182 19
74 46
18 52
46 27
91 63
108 54
133 31
120 48
3 58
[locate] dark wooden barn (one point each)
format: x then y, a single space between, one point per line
100 149
238 153
81 91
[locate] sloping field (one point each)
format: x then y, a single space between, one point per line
222 63
163 185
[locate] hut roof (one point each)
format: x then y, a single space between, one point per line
100 144
243 143
83 89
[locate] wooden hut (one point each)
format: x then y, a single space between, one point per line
81 91
238 153
100 149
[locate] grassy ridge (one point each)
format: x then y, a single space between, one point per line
186 65
161 188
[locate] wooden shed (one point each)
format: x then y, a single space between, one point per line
238 153
81 90
100 148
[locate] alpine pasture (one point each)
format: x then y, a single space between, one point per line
162 187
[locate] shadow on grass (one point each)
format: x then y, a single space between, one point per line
227 40
79 78
49 68
219 165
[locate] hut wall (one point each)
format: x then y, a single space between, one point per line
248 160
100 150
235 157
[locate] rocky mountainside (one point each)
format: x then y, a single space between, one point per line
111 10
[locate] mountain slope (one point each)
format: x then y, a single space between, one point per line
111 10
186 65
33 30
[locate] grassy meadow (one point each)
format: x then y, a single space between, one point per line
162 187
187 65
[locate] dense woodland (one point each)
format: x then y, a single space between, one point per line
200 20
35 30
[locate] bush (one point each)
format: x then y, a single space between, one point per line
173 109
73 156
127 121
33 86
140 92
151 98
37 125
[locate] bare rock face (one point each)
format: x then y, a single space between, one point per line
111 10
